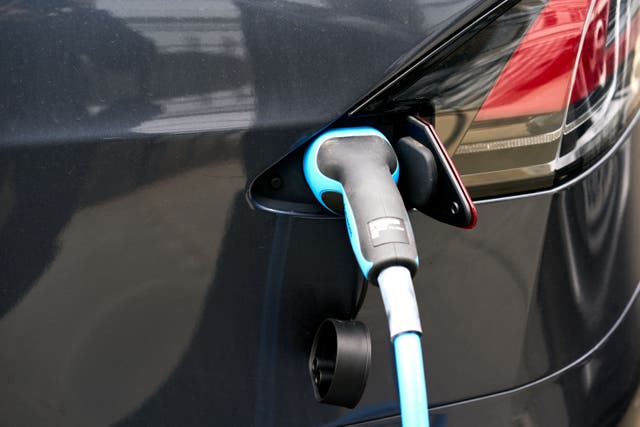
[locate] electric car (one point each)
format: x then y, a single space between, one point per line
164 261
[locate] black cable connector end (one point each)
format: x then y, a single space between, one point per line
339 362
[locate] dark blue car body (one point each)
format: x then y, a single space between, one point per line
141 283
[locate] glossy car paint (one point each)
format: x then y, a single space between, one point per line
138 285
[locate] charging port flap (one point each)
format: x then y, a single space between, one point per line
429 181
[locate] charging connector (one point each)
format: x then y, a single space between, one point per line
355 172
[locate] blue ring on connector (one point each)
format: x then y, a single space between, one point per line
320 183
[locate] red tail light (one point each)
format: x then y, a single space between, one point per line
538 76
532 98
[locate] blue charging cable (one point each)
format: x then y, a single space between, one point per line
396 287
411 380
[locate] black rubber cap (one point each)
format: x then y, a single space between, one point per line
419 175
339 362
